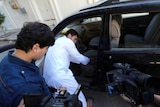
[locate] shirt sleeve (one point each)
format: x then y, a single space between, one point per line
75 55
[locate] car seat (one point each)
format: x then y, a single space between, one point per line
89 72
114 36
151 36
90 69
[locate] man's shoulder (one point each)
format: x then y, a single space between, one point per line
4 61
64 40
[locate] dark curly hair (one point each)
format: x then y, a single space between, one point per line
72 32
32 33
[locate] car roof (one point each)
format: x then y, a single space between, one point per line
102 3
111 4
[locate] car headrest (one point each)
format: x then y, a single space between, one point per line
115 29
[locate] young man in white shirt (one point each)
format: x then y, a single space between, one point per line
57 62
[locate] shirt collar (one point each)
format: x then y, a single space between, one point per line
19 61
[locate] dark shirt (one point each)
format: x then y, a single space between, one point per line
18 77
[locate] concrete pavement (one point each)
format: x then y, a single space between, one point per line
8 37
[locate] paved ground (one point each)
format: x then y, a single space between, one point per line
103 100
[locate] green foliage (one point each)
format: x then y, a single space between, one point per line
2 17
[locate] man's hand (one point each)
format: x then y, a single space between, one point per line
157 99
62 88
128 101
21 104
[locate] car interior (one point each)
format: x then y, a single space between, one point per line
151 35
89 31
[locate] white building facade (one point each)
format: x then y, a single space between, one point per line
46 11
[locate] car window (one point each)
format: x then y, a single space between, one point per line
90 20
138 30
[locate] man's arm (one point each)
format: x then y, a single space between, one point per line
76 56
157 99
128 101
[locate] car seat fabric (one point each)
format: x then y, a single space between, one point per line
89 70
94 42
114 33
152 34
153 30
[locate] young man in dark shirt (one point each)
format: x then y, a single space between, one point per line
18 72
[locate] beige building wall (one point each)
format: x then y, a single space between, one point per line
17 12
50 12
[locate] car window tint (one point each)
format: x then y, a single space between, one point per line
90 20
139 30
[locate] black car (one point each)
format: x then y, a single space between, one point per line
114 32
119 32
